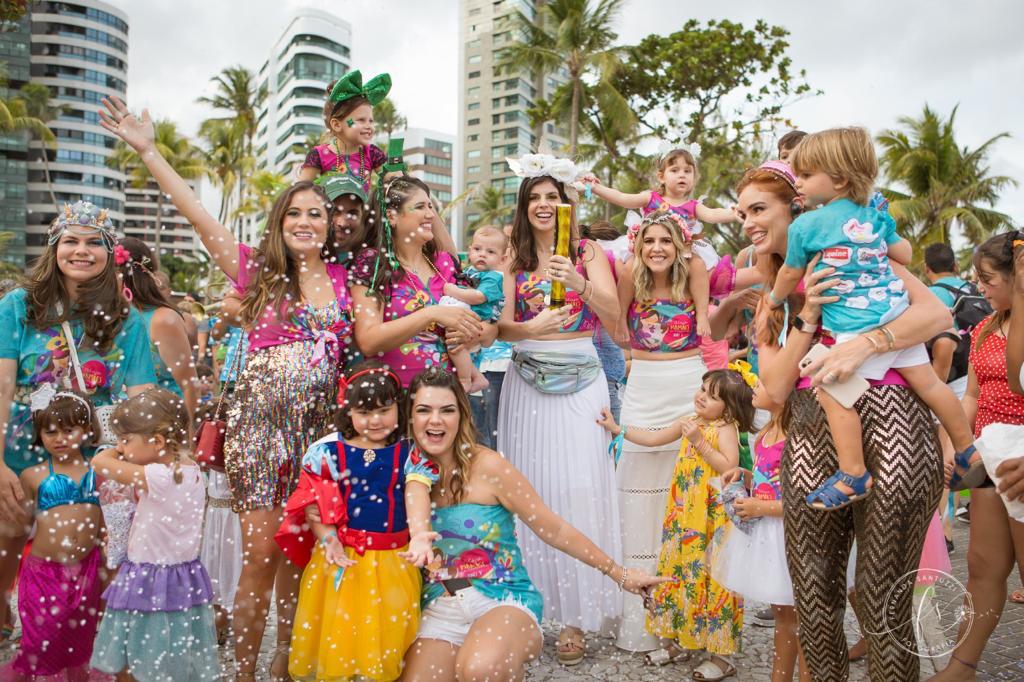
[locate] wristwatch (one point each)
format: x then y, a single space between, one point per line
802 325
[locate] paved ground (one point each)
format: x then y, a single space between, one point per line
1003 659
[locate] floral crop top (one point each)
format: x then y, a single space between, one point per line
533 294
662 326
687 209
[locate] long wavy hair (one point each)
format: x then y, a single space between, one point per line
643 278
995 254
773 321
466 439
524 246
379 232
139 275
101 306
275 271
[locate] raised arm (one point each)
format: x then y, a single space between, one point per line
108 464
706 214
614 196
140 136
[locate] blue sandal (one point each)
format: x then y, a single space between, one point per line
974 474
827 497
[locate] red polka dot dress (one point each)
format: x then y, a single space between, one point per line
996 403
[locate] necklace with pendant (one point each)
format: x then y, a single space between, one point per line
369 456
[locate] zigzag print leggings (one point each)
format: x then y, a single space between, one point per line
901 452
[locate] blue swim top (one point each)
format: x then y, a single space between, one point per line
59 489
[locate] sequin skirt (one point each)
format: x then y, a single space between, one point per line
281 405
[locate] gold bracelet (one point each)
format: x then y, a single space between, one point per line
889 337
874 344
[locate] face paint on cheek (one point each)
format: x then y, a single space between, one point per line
351 123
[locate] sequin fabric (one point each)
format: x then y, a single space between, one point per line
283 403
890 525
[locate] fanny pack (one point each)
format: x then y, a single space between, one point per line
554 372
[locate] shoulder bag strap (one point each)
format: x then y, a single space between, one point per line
69 339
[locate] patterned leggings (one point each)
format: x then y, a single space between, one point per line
901 452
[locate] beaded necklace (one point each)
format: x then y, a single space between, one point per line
340 165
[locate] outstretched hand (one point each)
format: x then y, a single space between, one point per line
421 548
638 581
138 133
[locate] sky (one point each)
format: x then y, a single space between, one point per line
873 60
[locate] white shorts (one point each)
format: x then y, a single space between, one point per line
959 387
453 302
449 618
877 365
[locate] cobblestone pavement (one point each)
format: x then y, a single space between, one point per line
1003 658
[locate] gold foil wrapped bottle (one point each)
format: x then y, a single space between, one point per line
563 234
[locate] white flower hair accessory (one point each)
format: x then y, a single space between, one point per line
666 147
537 165
41 398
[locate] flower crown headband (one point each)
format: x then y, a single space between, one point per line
84 215
668 218
744 369
666 148
539 165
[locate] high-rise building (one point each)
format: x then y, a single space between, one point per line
79 50
14 54
429 156
177 237
312 52
493 101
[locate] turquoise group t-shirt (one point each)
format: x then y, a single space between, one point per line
43 357
945 295
489 283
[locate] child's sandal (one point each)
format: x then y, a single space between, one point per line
974 474
827 497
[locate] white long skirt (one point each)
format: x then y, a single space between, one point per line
221 549
657 393
555 441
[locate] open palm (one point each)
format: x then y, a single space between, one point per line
137 133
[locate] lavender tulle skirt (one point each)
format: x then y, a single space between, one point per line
159 624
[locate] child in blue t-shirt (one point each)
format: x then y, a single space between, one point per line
486 297
835 172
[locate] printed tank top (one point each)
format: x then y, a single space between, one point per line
533 294
662 326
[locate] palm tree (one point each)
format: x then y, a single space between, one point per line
569 34
262 190
224 159
183 157
489 208
942 185
37 112
387 117
238 93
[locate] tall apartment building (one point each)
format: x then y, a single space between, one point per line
493 102
177 237
14 54
429 154
79 50
312 51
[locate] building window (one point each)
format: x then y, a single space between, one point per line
473 154
474 74
437 162
473 169
475 59
497 168
511 183
473 91
440 146
438 178
473 122
509 198
473 43
473 138
474 12
473 106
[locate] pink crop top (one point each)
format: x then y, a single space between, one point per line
687 209
533 295
662 326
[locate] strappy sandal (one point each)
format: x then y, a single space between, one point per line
281 650
711 671
570 648
669 654
827 497
974 474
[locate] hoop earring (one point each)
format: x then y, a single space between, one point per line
795 208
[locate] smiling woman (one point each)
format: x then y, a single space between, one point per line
50 326
298 314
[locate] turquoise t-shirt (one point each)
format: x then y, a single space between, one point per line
164 378
489 283
945 295
855 241
43 357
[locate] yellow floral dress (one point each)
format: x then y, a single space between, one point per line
695 611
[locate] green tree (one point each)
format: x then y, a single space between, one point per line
180 153
224 160
185 275
721 77
489 208
388 118
238 93
11 12
939 185
574 35
33 103
261 191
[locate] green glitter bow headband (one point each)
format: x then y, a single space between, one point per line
351 85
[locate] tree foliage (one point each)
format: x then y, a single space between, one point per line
388 118
490 209
937 185
185 274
